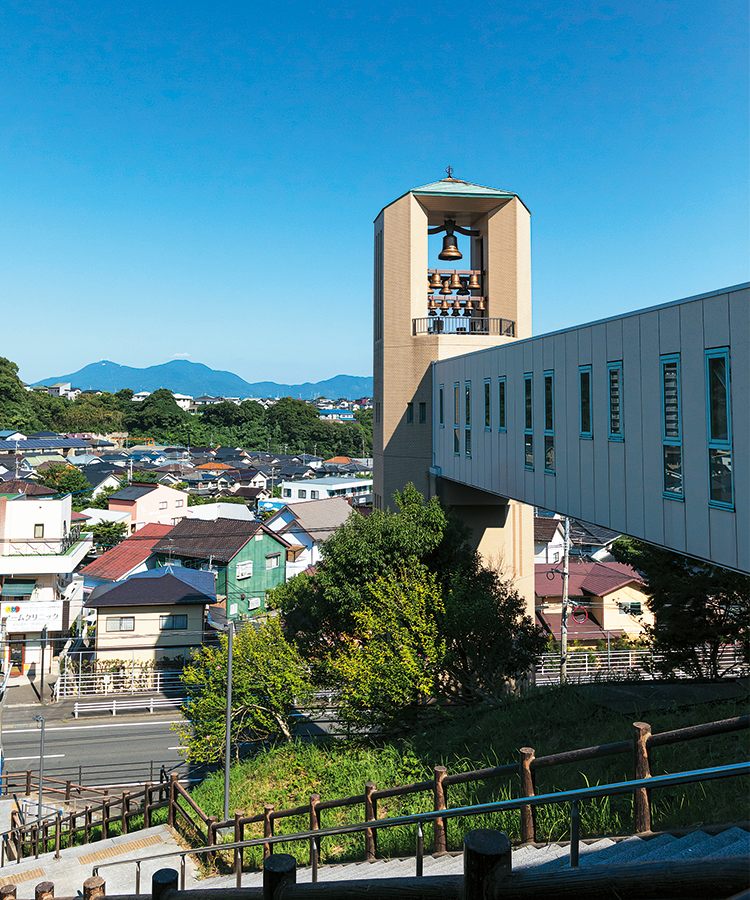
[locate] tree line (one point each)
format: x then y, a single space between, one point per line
289 426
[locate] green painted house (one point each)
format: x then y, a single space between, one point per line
248 558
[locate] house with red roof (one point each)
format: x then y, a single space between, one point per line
129 557
604 597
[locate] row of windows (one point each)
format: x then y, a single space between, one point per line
410 413
302 493
718 419
166 623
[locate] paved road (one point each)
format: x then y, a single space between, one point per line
98 750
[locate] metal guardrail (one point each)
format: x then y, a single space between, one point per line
113 705
574 797
78 684
592 664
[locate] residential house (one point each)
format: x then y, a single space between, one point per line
322 488
210 512
251 495
306 526
605 598
12 436
549 539
133 555
40 549
153 616
149 503
247 557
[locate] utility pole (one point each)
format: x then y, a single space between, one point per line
564 615
40 719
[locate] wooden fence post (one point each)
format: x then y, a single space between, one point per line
58 829
315 826
371 834
8 892
87 824
105 818
147 805
173 778
278 869
440 798
28 783
267 829
125 810
94 887
211 831
68 784
45 890
487 863
528 819
641 799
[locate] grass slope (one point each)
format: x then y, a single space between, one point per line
549 720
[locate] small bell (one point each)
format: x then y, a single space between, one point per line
444 307
446 287
430 289
431 306
435 281
455 282
474 284
456 306
480 305
464 289
468 309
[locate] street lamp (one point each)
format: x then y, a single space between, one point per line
41 764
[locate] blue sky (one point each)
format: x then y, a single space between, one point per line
199 180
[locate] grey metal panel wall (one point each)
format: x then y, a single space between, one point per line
618 484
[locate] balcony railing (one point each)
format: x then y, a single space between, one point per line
463 325
44 547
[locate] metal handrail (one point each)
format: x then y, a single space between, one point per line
574 797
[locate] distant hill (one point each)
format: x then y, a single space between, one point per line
185 377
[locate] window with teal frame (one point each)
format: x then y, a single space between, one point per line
584 387
614 381
487 407
501 426
528 422
719 419
456 419
671 427
549 422
467 430
441 406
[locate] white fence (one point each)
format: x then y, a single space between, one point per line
82 684
612 665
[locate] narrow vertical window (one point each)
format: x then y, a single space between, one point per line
456 418
409 413
467 430
719 428
584 388
441 406
671 426
528 422
487 411
614 375
549 422
422 413
501 403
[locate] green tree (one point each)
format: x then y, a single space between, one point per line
268 678
156 414
66 479
101 501
698 609
108 534
392 666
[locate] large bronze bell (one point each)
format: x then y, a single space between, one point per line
474 284
455 282
435 281
450 249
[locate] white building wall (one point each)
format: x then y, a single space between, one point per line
614 483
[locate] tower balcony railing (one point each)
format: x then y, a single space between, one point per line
464 325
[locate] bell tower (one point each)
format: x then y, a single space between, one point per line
433 303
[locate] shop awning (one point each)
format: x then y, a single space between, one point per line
18 588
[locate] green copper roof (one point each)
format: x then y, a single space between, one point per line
453 187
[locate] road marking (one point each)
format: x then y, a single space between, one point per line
46 756
108 725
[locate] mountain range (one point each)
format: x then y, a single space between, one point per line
184 377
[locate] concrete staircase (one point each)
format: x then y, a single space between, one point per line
696 845
76 864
